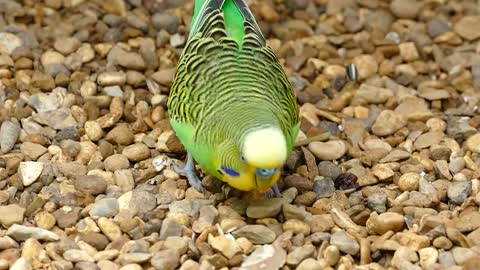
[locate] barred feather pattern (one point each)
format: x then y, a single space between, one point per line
224 89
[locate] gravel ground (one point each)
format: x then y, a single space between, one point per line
86 179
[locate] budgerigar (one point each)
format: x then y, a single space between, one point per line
231 103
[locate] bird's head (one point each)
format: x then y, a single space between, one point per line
262 155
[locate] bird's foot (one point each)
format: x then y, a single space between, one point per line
189 171
275 193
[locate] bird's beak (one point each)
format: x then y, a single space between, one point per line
266 178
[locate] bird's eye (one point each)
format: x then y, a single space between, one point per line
230 172
242 158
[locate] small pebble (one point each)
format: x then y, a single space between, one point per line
29 171
345 243
324 187
458 191
328 150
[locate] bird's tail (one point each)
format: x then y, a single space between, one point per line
238 20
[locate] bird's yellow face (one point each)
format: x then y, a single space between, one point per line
259 162
252 178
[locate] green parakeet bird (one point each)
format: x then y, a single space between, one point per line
231 103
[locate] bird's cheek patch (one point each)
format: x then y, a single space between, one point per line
230 172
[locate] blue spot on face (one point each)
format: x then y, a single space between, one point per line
230 172
264 173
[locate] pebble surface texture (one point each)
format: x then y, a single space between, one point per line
86 150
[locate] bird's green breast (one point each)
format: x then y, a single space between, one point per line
202 153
